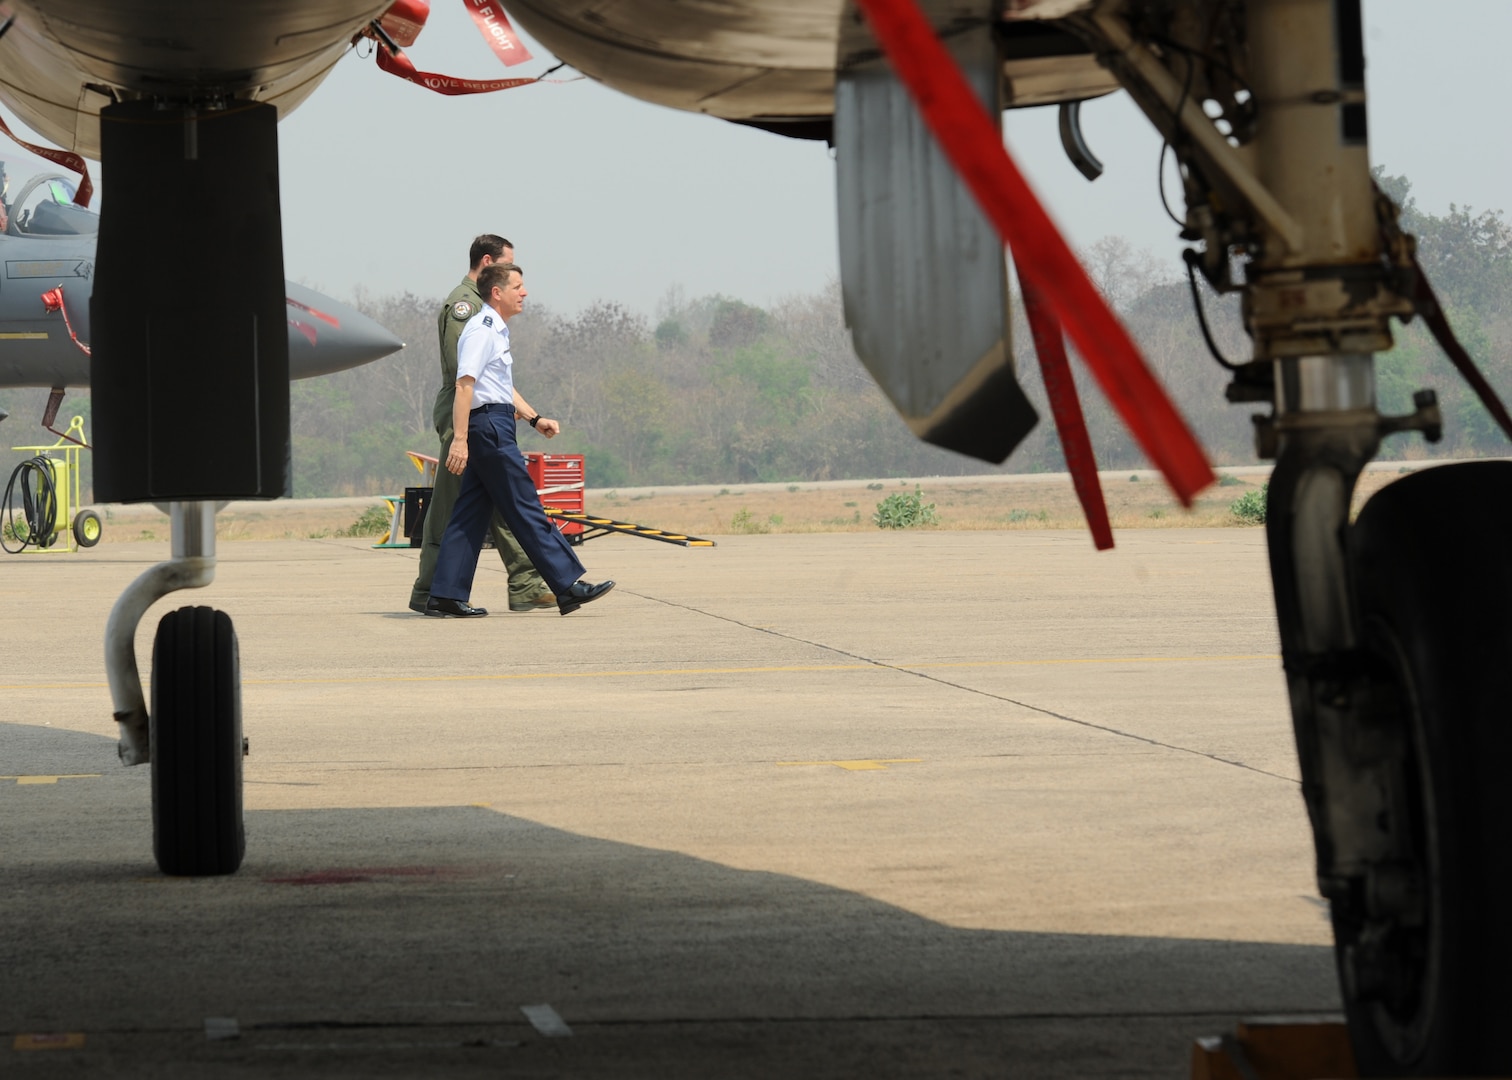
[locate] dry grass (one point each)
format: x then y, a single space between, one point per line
981 502
1028 504
993 502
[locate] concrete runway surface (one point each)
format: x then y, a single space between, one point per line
906 804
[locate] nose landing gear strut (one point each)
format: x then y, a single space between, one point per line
1396 629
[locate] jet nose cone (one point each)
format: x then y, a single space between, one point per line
326 335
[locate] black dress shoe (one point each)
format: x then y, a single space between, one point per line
581 593
441 607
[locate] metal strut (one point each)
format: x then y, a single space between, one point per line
192 566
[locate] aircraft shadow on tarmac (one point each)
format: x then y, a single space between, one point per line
426 916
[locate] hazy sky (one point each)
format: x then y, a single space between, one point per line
385 183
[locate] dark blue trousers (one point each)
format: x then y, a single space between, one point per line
496 477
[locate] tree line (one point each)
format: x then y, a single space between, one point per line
714 390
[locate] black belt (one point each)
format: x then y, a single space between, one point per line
509 406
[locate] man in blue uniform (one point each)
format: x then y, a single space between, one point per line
484 453
527 592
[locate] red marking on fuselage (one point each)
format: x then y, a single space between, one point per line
333 320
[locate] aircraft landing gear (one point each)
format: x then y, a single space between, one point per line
1396 631
169 375
193 735
1396 636
1421 936
196 734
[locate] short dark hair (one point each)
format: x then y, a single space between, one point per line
496 275
487 244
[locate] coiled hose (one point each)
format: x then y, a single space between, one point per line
39 506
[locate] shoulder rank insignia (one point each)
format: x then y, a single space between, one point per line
462 309
488 320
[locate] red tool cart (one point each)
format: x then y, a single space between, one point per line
559 482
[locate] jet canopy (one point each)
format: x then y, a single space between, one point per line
44 206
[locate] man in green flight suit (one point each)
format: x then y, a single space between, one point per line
527 590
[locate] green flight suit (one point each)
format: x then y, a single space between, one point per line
525 582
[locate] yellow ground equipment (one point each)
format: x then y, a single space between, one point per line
50 518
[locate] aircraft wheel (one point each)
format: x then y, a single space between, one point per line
1434 585
87 528
195 721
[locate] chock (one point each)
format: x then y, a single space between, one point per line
1277 1048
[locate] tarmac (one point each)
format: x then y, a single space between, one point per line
913 804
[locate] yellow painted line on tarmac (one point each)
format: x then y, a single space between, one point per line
24 335
60 1040
54 686
786 669
861 764
42 779
1092 660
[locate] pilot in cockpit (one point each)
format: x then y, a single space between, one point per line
4 199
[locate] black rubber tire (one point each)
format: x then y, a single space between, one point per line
1434 588
87 528
196 731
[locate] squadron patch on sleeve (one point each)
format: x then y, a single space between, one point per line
463 310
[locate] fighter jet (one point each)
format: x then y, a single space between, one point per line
47 251
1396 627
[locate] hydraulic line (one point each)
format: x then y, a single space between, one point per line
39 505
1192 258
